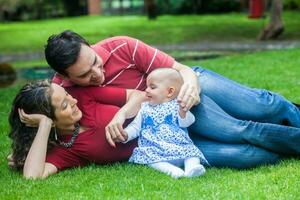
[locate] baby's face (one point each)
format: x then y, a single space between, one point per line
156 91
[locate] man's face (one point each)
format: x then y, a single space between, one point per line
88 69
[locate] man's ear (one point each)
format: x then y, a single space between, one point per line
171 92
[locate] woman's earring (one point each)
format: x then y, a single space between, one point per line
55 133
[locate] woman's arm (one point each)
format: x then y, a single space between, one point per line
133 103
35 165
114 130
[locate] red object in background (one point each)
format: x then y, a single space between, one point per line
256 8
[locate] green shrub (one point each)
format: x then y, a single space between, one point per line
291 4
197 6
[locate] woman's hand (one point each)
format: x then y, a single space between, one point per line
114 130
32 120
188 96
10 161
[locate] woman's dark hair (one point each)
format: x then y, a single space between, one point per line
33 98
62 50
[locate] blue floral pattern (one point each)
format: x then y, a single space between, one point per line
161 138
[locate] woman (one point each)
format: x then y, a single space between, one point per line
67 135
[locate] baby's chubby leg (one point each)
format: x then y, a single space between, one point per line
168 168
193 168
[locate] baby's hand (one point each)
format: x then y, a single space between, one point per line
182 112
125 135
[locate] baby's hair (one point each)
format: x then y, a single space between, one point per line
169 74
170 77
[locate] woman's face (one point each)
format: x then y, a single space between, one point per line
65 109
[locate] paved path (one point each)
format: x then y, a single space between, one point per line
233 46
199 46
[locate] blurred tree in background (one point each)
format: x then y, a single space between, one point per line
75 7
197 6
275 26
11 10
17 10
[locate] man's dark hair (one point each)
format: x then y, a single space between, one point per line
62 50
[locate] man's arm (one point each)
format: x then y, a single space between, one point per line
190 90
114 130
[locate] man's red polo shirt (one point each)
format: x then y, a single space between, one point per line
127 62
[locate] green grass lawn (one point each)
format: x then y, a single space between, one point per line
32 35
275 70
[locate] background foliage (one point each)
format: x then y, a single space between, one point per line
15 10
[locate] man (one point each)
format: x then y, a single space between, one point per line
117 62
229 116
112 62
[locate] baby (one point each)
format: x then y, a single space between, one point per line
164 143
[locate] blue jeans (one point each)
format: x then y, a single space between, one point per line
241 127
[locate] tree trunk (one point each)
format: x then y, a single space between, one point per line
94 7
275 27
150 9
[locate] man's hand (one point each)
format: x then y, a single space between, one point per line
114 130
190 90
188 96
